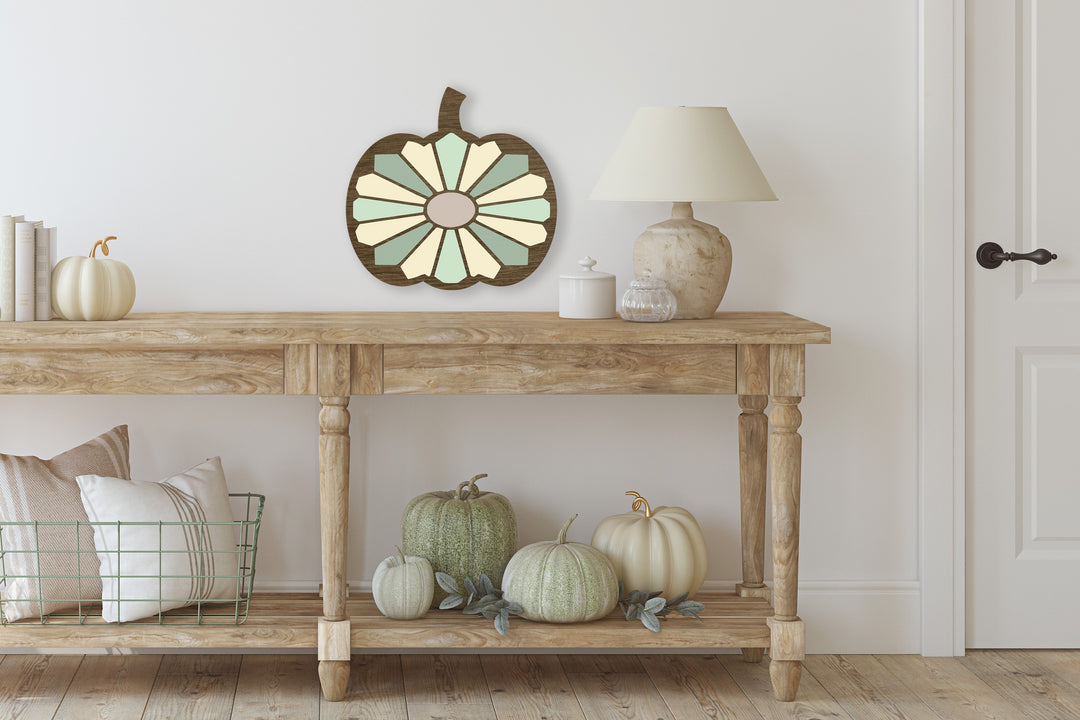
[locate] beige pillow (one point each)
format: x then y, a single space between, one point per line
163 545
32 489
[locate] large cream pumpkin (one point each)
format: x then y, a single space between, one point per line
658 549
92 288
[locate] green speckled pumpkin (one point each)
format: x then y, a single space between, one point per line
561 582
463 532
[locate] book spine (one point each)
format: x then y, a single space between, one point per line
24 270
7 266
45 252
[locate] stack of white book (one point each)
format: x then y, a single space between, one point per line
27 256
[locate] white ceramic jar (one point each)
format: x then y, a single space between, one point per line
587 294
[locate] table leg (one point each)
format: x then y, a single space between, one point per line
753 453
788 640
334 631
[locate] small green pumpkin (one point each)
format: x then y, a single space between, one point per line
463 532
403 586
561 582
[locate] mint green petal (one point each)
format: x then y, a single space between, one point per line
451 151
535 210
506 250
394 251
394 167
509 167
451 267
368 209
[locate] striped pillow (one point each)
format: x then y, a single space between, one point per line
32 489
147 568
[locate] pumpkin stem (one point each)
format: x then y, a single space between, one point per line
400 554
103 244
561 539
450 110
639 502
473 491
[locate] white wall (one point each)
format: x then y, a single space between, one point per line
216 140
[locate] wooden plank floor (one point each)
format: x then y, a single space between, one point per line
985 685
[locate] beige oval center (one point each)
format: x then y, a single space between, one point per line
451 209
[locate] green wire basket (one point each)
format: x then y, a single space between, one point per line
87 610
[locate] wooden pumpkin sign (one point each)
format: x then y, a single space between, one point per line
451 209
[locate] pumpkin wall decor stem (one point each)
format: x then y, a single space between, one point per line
450 110
639 502
103 244
473 491
561 539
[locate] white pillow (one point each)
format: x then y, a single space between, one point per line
147 568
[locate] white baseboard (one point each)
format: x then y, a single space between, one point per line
853 617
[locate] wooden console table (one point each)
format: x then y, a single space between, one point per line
757 356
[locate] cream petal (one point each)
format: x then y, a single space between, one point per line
530 186
526 233
478 259
422 260
373 233
376 186
422 157
477 162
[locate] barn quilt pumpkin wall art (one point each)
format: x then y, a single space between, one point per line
451 209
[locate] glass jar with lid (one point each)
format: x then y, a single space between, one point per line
647 300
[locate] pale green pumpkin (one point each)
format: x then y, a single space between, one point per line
463 532
403 586
561 582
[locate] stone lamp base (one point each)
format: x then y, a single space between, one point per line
693 257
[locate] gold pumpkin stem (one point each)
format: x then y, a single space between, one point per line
561 539
103 244
639 502
473 491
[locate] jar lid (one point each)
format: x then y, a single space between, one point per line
586 272
646 281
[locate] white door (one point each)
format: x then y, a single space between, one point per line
1023 324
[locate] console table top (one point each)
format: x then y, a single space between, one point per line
413 328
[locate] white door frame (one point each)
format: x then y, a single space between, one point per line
941 323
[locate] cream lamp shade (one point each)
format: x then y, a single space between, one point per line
683 155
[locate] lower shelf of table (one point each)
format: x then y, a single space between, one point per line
290 621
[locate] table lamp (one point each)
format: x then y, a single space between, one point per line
683 155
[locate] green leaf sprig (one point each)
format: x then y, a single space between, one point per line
479 598
650 607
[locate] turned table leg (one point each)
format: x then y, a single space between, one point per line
753 451
787 636
334 631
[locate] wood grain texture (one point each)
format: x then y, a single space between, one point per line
1063 663
142 371
788 639
787 370
618 696
752 362
33 686
948 687
408 328
586 663
812 703
334 639
301 369
1022 680
530 687
277 687
753 457
697 687
866 690
367 369
193 687
334 515
110 686
446 686
335 370
558 369
376 691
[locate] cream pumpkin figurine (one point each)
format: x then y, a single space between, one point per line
92 288
403 586
657 549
